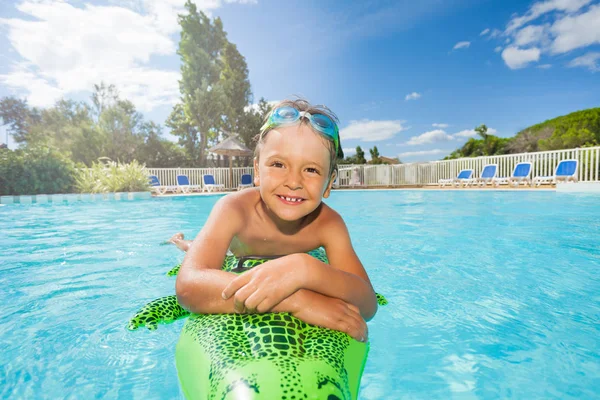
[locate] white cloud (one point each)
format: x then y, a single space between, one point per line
517 58
573 32
575 26
254 107
531 34
589 60
498 49
495 33
163 13
461 45
468 133
440 125
65 49
412 96
371 131
484 32
434 136
349 150
422 153
20 77
544 66
542 7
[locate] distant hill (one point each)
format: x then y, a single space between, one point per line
578 129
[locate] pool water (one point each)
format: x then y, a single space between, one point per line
492 294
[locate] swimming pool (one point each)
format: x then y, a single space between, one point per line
492 294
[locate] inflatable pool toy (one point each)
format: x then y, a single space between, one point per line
258 356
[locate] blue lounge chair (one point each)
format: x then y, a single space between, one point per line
184 185
463 177
488 174
566 170
245 182
157 187
209 183
521 174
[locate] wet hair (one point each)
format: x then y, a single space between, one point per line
303 105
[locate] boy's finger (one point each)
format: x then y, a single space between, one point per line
266 305
234 286
353 308
359 325
240 298
253 301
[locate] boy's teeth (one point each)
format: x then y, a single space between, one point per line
291 199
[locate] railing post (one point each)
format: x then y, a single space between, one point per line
581 166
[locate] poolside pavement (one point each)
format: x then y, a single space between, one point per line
543 188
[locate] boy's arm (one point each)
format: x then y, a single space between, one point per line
327 312
345 277
200 281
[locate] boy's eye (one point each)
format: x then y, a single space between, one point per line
277 164
312 170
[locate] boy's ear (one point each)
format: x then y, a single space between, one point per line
256 177
329 185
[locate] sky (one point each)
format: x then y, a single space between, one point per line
410 77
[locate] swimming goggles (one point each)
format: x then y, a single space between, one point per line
287 115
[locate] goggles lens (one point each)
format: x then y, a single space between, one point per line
323 121
287 114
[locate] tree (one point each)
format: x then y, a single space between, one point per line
234 79
360 156
119 124
109 127
482 131
19 117
104 96
159 152
203 94
252 120
60 126
375 156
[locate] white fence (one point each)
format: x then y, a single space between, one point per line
543 164
416 174
168 176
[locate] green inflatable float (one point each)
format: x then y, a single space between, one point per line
258 356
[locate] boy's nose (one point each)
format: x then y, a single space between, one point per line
294 181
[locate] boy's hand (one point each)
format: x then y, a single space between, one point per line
329 312
265 286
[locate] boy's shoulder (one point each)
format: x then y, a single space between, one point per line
241 201
327 216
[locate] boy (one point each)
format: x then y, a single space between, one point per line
284 216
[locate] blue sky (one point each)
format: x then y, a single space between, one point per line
412 78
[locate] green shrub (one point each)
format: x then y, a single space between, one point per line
110 176
35 170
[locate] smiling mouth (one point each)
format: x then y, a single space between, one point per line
291 200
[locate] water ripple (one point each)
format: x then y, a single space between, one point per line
492 295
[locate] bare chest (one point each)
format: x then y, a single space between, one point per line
260 240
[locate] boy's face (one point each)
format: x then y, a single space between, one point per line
292 171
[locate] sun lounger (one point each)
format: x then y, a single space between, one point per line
521 174
210 185
566 170
487 175
157 188
245 181
463 177
184 185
